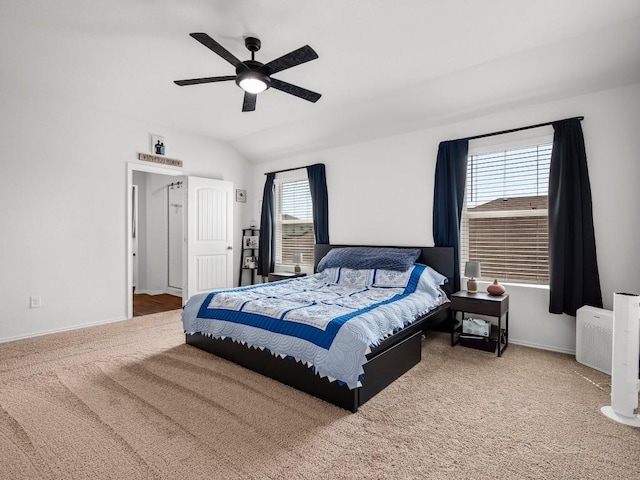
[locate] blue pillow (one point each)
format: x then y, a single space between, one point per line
359 258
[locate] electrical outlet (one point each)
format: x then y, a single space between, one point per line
35 302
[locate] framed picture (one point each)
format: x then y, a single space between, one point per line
250 241
241 196
250 262
157 145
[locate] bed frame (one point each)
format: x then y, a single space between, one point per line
386 362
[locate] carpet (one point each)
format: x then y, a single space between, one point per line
130 400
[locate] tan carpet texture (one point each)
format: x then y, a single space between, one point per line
131 401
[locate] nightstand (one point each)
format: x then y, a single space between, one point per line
482 304
277 276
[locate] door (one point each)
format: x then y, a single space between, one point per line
209 259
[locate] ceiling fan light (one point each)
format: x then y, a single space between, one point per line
253 85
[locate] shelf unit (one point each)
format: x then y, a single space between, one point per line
248 250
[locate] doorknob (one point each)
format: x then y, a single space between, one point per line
229 247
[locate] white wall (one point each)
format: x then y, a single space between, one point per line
140 261
381 193
64 196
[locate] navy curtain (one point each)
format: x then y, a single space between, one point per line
573 268
448 198
320 200
267 239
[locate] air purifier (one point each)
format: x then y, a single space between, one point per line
624 364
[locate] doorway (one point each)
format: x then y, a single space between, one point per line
155 233
157 242
201 250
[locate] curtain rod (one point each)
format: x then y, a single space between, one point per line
520 128
291 169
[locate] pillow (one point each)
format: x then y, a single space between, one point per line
356 278
367 258
392 278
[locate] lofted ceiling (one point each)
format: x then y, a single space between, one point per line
384 68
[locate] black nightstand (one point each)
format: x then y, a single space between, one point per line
482 304
276 276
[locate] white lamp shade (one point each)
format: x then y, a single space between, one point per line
472 269
253 85
297 257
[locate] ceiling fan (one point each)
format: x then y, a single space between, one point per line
254 77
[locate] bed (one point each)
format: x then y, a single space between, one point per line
211 324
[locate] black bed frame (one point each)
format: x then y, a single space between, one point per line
386 362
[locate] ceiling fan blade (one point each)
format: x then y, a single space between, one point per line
196 81
249 104
291 59
295 90
214 46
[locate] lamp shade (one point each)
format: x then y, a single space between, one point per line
472 269
297 257
253 85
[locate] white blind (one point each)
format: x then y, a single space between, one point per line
294 222
504 221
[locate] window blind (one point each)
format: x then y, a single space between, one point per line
504 222
294 222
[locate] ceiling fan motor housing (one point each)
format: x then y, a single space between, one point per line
252 69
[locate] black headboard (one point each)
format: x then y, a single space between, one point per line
438 258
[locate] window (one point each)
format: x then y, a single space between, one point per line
293 220
504 222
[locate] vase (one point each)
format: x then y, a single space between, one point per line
495 288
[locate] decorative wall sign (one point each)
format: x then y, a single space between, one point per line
145 157
241 196
157 145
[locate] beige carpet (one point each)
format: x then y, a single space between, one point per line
131 401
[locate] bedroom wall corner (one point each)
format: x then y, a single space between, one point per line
67 165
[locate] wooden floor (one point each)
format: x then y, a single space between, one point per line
144 304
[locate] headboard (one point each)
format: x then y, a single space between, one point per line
438 258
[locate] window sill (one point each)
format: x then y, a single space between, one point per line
486 283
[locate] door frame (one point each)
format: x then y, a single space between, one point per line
131 167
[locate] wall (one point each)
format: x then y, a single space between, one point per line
381 193
64 163
140 261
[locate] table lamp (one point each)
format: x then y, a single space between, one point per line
297 259
472 271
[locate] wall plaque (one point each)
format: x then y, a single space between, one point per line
161 160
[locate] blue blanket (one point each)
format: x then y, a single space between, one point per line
329 320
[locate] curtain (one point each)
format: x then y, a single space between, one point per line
448 198
266 245
573 267
320 200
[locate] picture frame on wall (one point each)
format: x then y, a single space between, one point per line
158 146
241 196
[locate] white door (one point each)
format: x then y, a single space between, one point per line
209 259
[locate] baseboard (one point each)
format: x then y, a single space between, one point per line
150 292
170 290
60 330
542 347
174 291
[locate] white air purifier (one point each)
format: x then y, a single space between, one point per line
624 365
594 338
